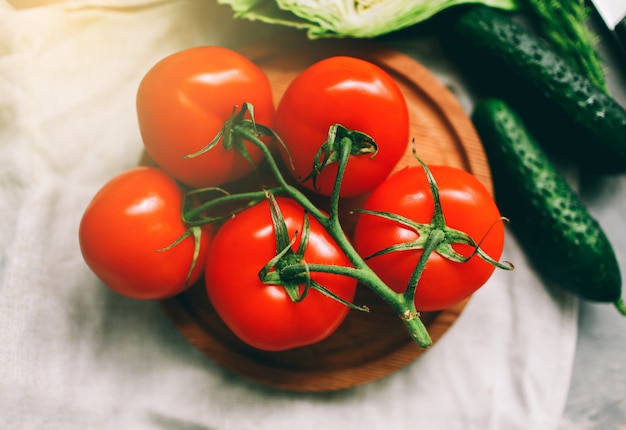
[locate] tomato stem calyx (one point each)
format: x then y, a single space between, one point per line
231 136
288 268
338 137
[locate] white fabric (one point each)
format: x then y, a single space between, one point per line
74 355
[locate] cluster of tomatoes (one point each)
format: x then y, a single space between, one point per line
133 237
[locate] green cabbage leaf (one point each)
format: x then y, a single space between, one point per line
348 18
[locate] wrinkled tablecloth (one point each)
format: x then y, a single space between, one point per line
74 355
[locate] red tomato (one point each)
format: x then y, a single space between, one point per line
183 102
263 315
466 205
356 94
129 219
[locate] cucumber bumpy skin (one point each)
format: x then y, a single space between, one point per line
552 224
564 109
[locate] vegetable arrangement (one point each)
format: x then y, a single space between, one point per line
279 267
248 197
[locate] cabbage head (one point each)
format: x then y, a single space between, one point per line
348 18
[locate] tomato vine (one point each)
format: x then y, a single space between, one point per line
289 267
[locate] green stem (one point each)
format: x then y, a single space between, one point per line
435 237
193 216
345 150
403 306
294 192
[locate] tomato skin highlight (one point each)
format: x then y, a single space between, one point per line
467 206
184 100
356 94
129 219
263 316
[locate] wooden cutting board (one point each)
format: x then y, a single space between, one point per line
368 346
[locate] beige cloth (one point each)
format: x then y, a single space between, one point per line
74 355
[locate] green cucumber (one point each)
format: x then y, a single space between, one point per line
562 240
561 106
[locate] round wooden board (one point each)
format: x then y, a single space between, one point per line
371 345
